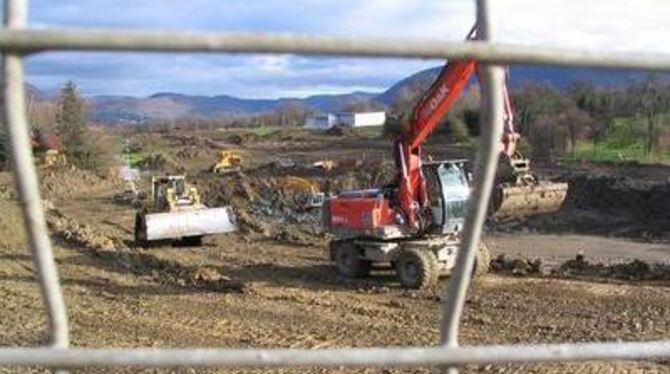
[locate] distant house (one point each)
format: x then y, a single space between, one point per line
328 120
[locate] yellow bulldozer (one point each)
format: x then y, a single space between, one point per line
178 214
228 162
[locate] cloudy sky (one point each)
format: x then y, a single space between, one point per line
617 25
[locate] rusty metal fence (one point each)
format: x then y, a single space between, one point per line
17 41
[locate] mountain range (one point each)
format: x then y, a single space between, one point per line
127 109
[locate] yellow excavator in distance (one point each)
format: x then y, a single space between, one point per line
305 193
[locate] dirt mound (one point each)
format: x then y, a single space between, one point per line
66 182
262 206
614 194
175 274
242 138
606 205
81 235
516 266
635 270
190 152
86 238
645 204
339 130
373 174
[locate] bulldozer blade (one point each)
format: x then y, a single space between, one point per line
513 201
186 223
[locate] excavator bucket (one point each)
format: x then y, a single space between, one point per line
185 224
511 201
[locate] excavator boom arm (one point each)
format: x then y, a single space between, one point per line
426 116
438 100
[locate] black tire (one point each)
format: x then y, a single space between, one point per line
192 241
417 268
348 261
482 261
140 228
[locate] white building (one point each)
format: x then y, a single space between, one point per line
326 121
362 119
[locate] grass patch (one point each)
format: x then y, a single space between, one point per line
135 160
625 141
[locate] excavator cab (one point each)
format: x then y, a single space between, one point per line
448 192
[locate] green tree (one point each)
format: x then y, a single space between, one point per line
71 124
602 106
649 99
537 107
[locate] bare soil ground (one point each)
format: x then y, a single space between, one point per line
270 286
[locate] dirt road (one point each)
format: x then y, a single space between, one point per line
554 249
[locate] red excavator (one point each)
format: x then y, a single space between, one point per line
415 223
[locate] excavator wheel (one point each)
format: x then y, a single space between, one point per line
348 259
417 268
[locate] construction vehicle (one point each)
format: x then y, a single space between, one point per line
54 158
415 223
47 149
305 193
177 214
130 195
229 162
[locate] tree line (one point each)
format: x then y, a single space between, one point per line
552 122
556 122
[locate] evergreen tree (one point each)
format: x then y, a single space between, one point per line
71 123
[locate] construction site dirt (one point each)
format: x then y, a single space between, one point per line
597 270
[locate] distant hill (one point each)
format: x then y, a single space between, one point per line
559 77
167 105
174 105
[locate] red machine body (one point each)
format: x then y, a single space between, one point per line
367 213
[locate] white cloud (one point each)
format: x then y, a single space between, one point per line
271 63
616 25
609 25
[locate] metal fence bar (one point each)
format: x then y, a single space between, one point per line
491 106
27 41
15 41
26 181
492 354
